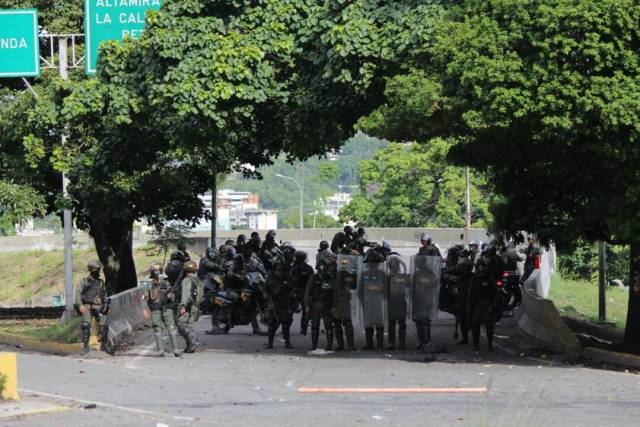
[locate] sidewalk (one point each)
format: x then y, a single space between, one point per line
26 407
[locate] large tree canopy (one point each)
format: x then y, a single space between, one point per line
414 186
544 98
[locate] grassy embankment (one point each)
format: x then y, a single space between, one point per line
38 274
579 299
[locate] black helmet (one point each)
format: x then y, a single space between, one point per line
271 235
300 257
182 246
231 252
229 242
361 231
241 240
324 245
94 265
348 230
211 252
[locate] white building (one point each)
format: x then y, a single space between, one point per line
262 219
335 203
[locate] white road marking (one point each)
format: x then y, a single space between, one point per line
104 404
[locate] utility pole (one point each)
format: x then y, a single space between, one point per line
467 227
214 209
66 216
602 281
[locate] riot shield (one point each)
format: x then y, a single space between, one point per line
346 286
425 283
371 292
397 288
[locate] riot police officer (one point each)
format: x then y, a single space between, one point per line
397 286
279 293
181 254
428 248
463 270
319 301
323 252
90 301
342 309
482 296
160 300
299 277
268 245
241 241
210 266
191 293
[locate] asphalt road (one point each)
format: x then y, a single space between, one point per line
233 381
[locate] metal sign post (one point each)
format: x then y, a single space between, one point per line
106 20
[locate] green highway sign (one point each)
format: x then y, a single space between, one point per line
106 20
19 43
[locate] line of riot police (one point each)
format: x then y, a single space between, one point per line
355 282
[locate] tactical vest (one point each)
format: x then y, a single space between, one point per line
158 295
322 290
91 291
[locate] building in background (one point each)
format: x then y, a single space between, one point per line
335 203
238 210
262 219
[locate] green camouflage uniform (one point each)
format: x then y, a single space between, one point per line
190 287
160 300
91 293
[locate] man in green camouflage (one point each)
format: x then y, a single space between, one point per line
160 299
191 293
90 300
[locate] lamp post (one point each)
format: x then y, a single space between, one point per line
300 188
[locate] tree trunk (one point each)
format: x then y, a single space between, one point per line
113 240
632 330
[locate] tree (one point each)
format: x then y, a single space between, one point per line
543 98
412 185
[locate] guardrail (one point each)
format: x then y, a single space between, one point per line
31 312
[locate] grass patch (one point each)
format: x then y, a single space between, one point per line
44 329
38 274
579 299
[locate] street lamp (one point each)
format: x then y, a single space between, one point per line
300 188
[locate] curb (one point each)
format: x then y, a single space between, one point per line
611 357
39 345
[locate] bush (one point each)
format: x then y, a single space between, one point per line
581 262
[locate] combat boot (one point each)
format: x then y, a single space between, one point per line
392 336
315 335
380 338
489 330
421 337
287 340
159 345
329 333
369 339
271 335
85 333
350 341
304 324
402 336
339 336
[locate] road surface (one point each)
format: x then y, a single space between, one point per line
233 381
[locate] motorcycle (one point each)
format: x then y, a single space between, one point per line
510 290
233 308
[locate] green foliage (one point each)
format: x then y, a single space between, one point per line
579 299
19 203
166 239
581 262
412 185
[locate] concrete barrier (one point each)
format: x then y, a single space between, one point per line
539 319
126 314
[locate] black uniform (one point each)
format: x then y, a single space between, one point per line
319 300
280 295
299 277
482 298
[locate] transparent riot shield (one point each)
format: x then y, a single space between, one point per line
347 282
425 284
372 278
398 280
